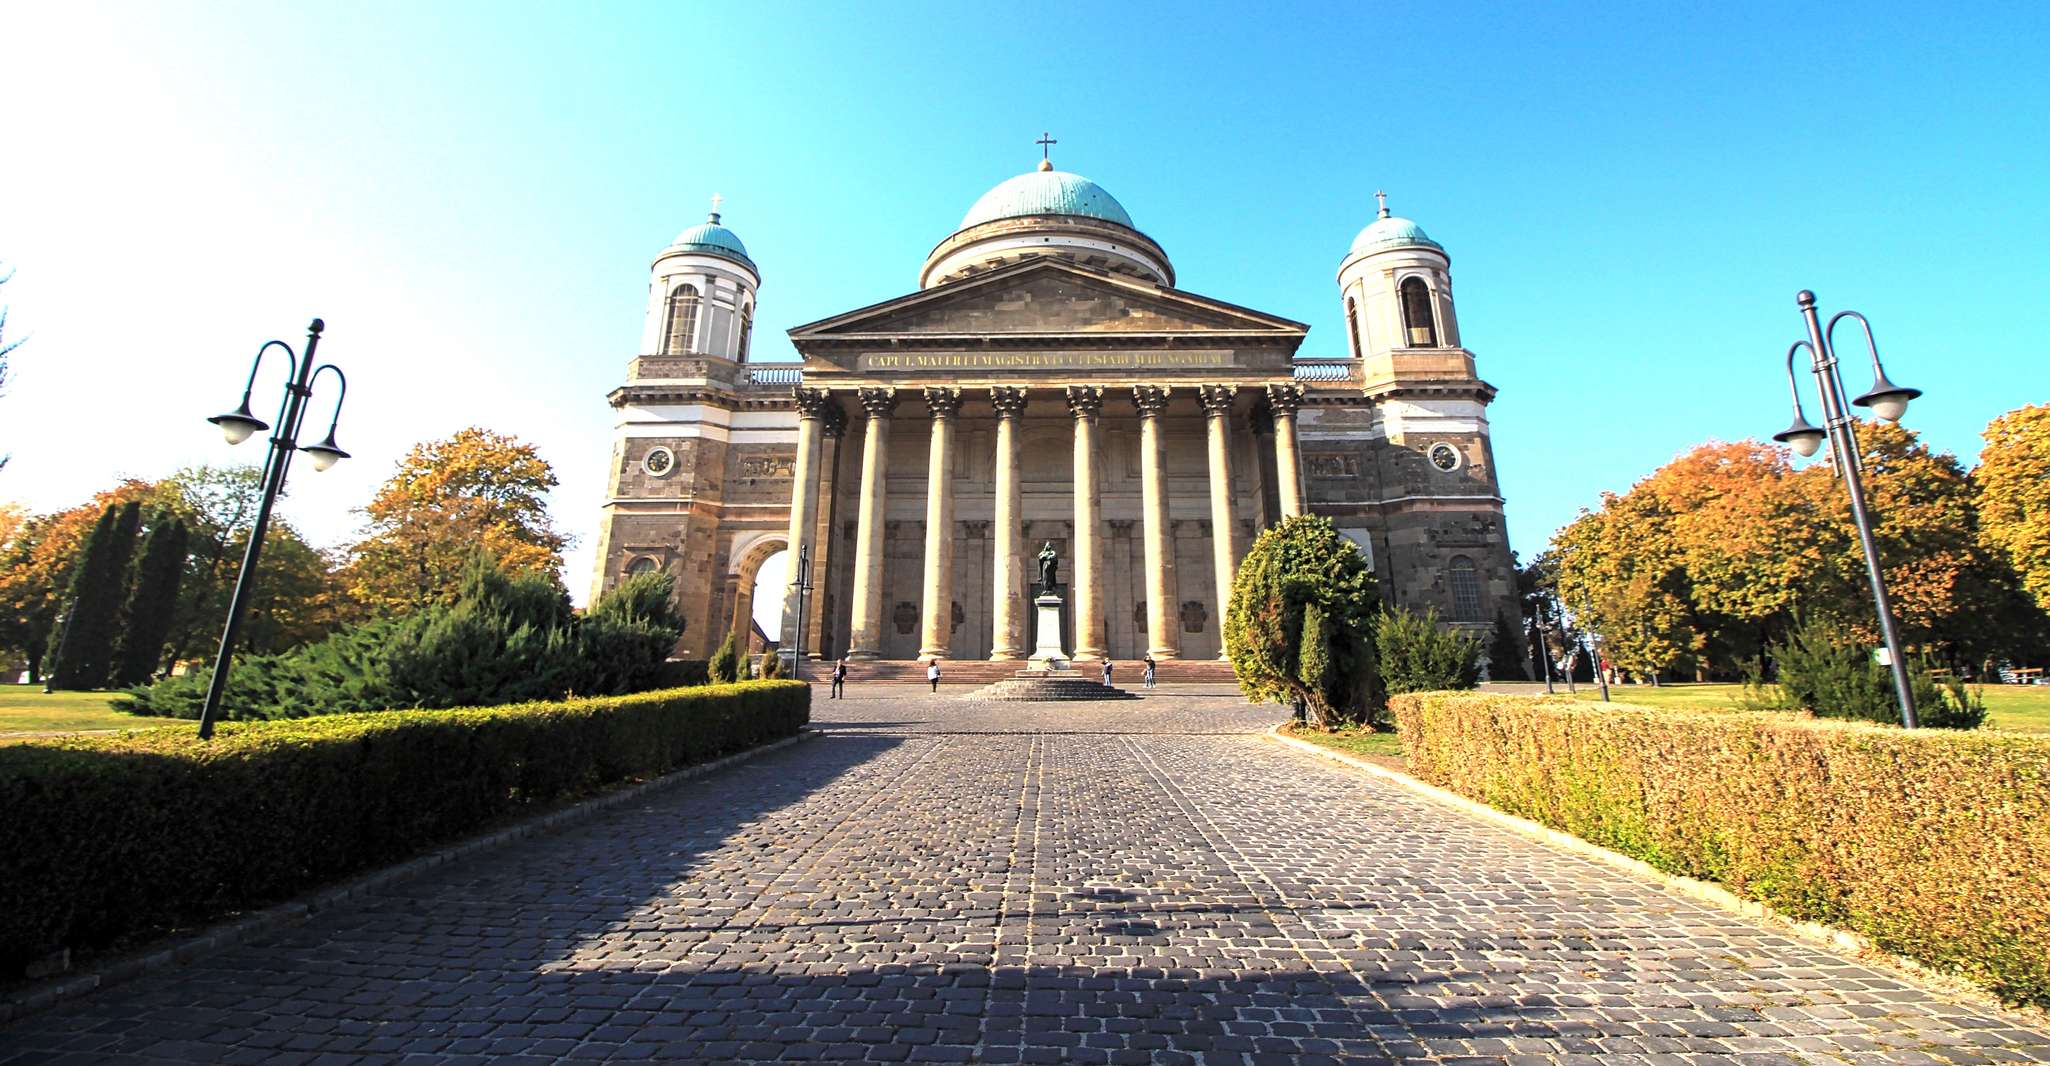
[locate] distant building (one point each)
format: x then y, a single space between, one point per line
1047 382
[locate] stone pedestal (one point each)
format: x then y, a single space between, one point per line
1048 652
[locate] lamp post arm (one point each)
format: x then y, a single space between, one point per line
1870 344
335 419
1793 388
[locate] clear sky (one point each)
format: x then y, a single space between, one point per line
470 194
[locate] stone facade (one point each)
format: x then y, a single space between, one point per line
1054 392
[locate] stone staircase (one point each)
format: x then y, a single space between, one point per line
1125 672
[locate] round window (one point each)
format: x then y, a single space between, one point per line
1444 456
659 462
642 565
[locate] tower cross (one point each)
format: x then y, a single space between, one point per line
1383 197
1046 143
716 201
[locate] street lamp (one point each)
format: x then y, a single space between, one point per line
240 425
1886 400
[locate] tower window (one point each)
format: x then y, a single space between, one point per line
1416 314
683 320
1352 325
1466 590
747 322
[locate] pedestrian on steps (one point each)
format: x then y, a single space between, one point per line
1106 673
839 679
932 673
1149 671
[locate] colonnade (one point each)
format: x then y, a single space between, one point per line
1085 407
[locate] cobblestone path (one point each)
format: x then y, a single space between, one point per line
932 880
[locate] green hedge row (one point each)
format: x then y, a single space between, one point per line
1933 843
108 837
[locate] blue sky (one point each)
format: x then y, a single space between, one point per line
470 194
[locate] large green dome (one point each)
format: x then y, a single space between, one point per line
1388 232
1047 192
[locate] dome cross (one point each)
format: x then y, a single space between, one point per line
1046 142
1383 197
716 201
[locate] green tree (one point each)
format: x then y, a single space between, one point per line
154 602
1508 655
83 648
36 567
297 596
1416 654
1269 628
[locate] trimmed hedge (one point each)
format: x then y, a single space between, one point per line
1935 844
107 837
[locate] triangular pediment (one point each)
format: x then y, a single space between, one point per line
1048 297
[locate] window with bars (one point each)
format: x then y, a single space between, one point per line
1466 590
1416 314
683 320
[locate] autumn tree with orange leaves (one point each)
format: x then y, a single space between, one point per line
1703 564
476 492
2012 486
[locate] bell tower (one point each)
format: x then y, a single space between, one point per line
701 297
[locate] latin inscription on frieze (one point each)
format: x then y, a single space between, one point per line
915 361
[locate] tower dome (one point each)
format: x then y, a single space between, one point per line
701 294
711 238
1046 212
1388 232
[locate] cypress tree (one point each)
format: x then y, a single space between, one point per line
99 585
150 607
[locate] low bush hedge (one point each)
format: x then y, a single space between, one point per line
1933 843
109 837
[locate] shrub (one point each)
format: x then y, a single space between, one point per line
771 665
111 837
507 637
1269 627
1825 670
1416 654
1932 843
724 667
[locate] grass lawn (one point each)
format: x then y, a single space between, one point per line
2022 708
28 709
1379 747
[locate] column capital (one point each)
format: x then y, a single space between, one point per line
1009 402
1150 399
811 403
1085 401
943 402
1217 399
1284 397
879 403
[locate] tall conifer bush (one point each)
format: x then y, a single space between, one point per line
154 602
83 648
1300 624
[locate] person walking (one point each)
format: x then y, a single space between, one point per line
839 679
1149 671
932 673
1106 673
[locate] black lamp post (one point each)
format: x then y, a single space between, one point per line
801 586
1889 402
239 425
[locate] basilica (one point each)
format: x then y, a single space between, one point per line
1047 383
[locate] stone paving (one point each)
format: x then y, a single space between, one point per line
937 880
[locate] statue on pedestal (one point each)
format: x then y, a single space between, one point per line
1049 562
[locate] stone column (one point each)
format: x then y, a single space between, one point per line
1161 632
804 502
1009 596
866 631
1284 399
1085 402
939 526
1217 400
